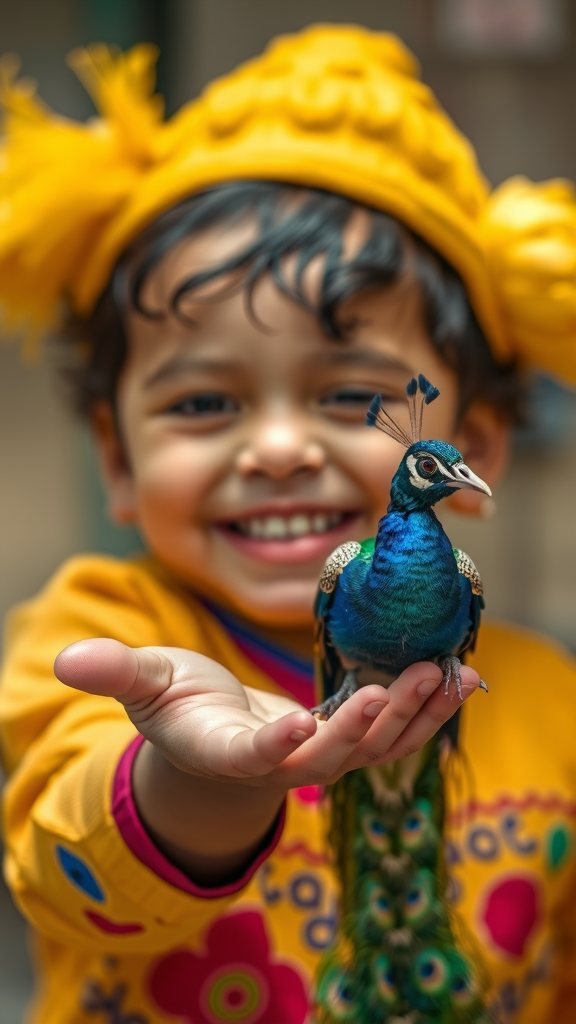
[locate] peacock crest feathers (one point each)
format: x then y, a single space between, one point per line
420 392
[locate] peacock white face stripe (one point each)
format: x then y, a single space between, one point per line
415 479
418 481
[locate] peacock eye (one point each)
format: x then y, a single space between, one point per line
431 972
375 832
462 991
463 987
384 978
339 995
427 467
379 906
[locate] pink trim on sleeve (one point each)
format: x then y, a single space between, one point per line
139 843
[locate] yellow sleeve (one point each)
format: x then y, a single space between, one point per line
66 862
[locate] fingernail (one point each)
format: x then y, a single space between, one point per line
427 687
298 735
373 710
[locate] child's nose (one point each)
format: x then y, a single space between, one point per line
280 450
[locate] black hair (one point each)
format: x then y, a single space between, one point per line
305 223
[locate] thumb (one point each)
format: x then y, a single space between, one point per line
111 669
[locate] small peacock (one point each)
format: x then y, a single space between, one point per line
403 596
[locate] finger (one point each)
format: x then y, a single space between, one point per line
418 708
438 709
111 669
408 693
335 740
259 752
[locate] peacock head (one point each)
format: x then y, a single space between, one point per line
429 470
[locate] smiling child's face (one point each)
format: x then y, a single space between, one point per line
245 458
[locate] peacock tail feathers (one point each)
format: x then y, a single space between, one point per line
398 958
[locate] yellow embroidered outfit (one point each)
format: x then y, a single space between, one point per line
112 936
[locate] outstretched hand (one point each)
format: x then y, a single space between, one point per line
206 723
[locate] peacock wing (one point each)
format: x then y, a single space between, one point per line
468 570
328 669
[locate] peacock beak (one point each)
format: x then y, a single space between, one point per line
461 476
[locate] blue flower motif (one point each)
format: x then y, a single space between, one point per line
78 872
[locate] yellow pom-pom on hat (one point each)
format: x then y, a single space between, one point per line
530 239
61 182
333 107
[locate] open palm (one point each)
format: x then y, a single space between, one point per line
206 723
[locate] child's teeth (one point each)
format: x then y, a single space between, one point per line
275 528
298 525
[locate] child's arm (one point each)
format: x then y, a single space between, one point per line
220 757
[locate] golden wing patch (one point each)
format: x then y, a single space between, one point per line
335 563
467 568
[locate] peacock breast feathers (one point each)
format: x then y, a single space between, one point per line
405 595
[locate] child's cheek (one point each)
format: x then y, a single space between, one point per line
174 475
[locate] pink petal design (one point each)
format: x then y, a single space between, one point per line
512 912
234 981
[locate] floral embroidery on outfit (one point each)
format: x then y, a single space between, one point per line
235 980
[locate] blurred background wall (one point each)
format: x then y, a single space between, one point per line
506 72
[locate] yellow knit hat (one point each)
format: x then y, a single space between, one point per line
335 107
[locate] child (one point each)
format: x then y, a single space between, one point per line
241 281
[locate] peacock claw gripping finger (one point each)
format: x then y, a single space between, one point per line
450 666
327 708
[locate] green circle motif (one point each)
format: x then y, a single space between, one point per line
246 984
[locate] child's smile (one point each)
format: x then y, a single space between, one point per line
246 459
295 533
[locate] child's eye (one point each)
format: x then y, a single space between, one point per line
206 404
351 404
348 397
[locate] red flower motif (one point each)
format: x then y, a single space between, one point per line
512 912
234 981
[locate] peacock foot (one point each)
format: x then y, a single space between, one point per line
327 708
451 666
